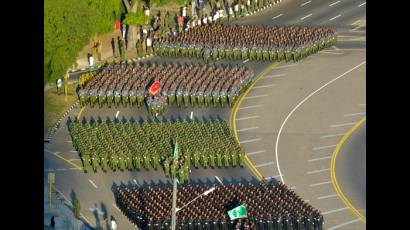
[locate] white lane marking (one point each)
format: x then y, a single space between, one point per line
354 114
192 114
257 152
116 207
319 159
332 135
69 141
73 151
248 141
293 188
335 48
219 180
250 107
361 4
362 105
335 17
317 171
274 76
335 210
344 224
245 61
329 52
334 3
286 66
306 16
116 115
325 197
265 164
324 147
56 153
305 3
61 169
297 106
277 16
307 201
344 124
322 183
95 186
246 118
256 96
263 86
245 129
76 169
75 159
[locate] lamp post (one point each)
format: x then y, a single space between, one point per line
175 210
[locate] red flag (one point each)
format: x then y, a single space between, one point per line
154 88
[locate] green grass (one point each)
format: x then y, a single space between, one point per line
55 105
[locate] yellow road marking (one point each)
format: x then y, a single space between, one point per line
79 114
333 170
232 118
62 158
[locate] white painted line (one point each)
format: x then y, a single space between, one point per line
61 169
354 114
334 3
56 153
335 48
248 141
322 183
116 207
361 4
335 17
116 115
75 169
69 141
328 196
277 16
263 86
73 151
329 52
305 3
293 188
324 147
362 104
286 66
95 186
274 76
257 152
340 125
246 118
250 107
219 180
335 210
245 61
319 159
192 114
265 164
344 224
332 135
307 201
257 96
246 129
306 16
317 171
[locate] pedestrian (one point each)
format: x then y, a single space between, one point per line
59 84
90 61
113 223
52 223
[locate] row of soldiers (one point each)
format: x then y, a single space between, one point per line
194 84
127 145
254 42
270 205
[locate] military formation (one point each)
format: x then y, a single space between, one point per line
269 205
130 145
181 84
254 42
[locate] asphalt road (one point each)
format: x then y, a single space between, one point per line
351 169
267 104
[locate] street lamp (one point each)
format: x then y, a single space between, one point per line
178 209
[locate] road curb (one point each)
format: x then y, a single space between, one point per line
54 128
333 170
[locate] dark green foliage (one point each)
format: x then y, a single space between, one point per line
69 26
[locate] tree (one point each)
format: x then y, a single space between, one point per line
134 19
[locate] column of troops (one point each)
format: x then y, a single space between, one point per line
181 84
270 205
254 42
130 145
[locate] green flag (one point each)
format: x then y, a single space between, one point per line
238 212
176 150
